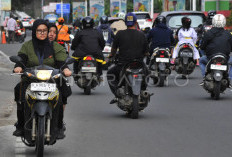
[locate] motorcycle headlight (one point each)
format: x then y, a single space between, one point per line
43 74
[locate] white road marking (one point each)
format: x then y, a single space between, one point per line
20 148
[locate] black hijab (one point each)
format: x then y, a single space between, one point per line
42 48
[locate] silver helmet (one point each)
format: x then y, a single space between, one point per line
219 21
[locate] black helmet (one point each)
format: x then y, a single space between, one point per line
186 22
211 14
160 19
104 20
88 22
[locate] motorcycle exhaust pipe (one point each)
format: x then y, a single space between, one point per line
167 71
224 82
145 94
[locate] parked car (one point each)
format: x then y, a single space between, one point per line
173 18
27 22
144 20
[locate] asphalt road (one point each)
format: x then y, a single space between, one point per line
180 121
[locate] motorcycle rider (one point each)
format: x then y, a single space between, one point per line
132 45
186 35
88 41
210 16
216 40
78 23
160 35
63 32
33 53
105 29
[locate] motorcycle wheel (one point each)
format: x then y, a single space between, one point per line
21 39
135 107
87 90
161 80
40 136
216 91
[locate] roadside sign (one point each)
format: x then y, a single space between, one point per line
66 8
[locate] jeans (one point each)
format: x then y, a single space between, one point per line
204 60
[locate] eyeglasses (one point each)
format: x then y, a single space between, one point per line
40 31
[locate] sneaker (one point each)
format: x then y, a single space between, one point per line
201 84
114 101
18 132
61 134
172 62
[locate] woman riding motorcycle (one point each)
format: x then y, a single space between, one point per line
33 53
186 35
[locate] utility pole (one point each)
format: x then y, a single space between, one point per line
42 4
217 5
152 9
194 5
61 5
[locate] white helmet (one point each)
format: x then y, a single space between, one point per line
122 15
219 21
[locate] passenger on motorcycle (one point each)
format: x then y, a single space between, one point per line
63 32
65 89
105 29
160 35
88 42
216 40
186 35
210 16
132 45
33 53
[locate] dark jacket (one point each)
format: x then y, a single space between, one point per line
217 40
88 42
132 44
106 30
160 36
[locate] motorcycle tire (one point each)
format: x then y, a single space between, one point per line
87 90
217 90
161 80
21 39
40 136
135 107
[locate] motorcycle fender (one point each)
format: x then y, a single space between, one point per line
217 75
162 66
41 108
185 60
135 83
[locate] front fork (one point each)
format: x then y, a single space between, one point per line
48 131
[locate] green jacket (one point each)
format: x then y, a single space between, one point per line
28 50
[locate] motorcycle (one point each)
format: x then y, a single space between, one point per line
106 53
19 35
159 65
184 63
87 77
132 94
216 77
41 108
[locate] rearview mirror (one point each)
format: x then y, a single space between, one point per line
15 59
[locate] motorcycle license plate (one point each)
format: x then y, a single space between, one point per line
89 69
164 60
46 87
218 67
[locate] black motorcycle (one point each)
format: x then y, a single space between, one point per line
159 65
216 77
132 94
42 104
184 63
87 77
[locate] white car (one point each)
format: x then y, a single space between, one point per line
144 20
